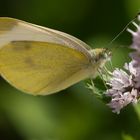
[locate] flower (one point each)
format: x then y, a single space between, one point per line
136 37
121 99
120 79
125 83
123 88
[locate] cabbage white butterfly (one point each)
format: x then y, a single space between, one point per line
42 61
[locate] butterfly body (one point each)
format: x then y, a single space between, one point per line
42 61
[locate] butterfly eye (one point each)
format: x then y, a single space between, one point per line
108 54
105 55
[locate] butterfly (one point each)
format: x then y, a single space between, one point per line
41 61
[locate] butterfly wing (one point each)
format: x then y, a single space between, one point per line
13 29
41 67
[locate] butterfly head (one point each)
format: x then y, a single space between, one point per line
101 55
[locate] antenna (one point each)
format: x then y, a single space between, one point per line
124 29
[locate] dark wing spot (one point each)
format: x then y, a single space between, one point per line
29 62
20 45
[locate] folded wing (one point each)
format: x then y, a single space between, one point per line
16 30
41 67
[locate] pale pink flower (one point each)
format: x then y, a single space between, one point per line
123 88
135 36
125 83
120 99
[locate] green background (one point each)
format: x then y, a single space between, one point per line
73 114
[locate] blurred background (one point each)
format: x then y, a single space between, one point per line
73 114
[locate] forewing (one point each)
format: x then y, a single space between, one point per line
41 67
16 30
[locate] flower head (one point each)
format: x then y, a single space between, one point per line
125 83
123 88
135 37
